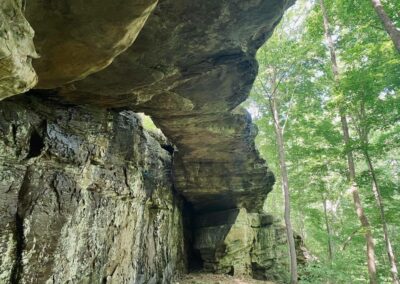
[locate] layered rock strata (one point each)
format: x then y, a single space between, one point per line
189 68
188 65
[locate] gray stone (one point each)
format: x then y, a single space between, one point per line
85 197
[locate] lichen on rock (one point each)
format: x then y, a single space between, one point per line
240 243
16 50
85 197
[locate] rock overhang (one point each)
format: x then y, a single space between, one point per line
188 64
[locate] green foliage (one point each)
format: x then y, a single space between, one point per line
369 94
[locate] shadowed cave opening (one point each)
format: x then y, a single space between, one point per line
194 262
36 144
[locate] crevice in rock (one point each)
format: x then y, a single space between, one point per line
193 256
14 133
19 247
36 145
231 272
168 147
57 194
22 207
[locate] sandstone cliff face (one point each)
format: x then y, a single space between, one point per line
88 196
189 65
85 197
238 243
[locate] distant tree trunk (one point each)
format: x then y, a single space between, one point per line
378 199
350 161
359 208
285 186
363 133
390 28
328 231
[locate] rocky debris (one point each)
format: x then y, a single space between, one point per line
85 197
16 50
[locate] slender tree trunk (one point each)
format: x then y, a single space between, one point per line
378 199
359 208
285 188
363 133
390 28
350 161
328 231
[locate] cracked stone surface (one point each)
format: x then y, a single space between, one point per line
187 64
189 69
240 243
85 197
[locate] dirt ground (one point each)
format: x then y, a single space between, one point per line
203 278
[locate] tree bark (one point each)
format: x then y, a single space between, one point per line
359 208
388 24
363 133
285 188
350 161
328 231
378 199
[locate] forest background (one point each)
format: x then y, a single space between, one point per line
319 74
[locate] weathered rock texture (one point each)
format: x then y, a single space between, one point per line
83 188
236 242
16 50
85 197
189 65
76 38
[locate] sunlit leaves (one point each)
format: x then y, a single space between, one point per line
369 93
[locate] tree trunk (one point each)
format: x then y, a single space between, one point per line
328 231
359 208
285 189
363 133
350 161
378 199
390 28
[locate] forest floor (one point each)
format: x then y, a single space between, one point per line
206 278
